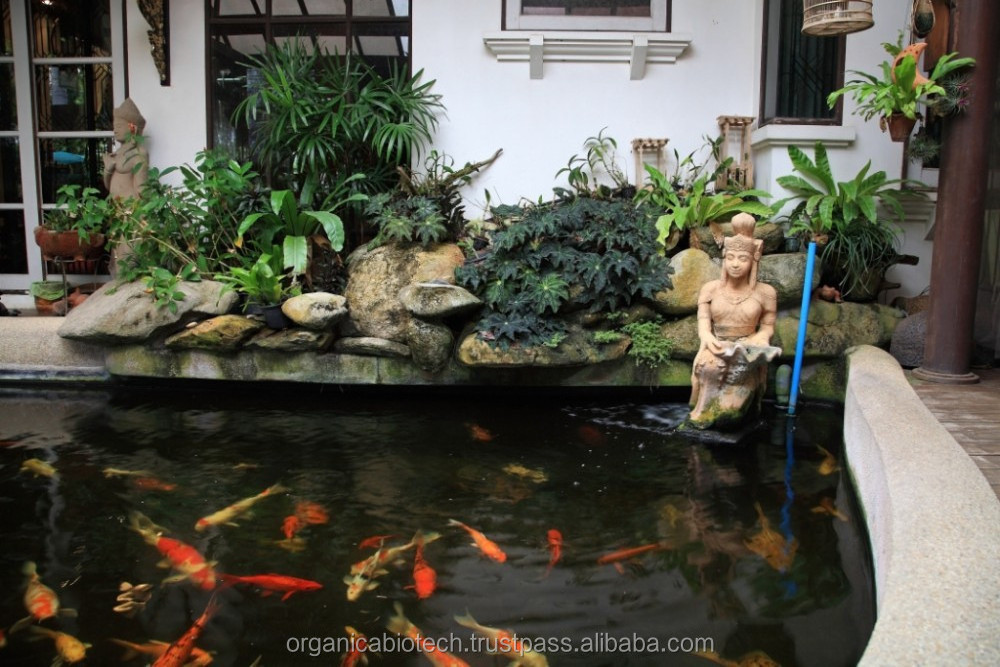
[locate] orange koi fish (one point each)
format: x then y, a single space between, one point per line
356 655
829 464
69 649
555 540
625 554
184 558
311 513
387 555
424 576
590 435
505 643
402 626
274 583
155 649
486 546
826 506
179 653
152 484
227 514
291 525
477 432
374 542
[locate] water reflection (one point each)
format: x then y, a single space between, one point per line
659 537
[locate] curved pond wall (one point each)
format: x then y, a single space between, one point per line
933 523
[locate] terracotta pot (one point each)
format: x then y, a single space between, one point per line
65 245
899 126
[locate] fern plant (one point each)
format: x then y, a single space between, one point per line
552 258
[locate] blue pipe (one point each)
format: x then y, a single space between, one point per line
803 316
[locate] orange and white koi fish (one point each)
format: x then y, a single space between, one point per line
179 652
364 579
828 465
274 583
505 643
227 514
826 507
41 601
555 545
358 645
488 547
479 433
393 554
631 552
402 626
187 560
38 468
69 649
424 576
155 649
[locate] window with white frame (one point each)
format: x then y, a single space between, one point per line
623 15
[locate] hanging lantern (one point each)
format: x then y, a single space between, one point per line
923 18
828 18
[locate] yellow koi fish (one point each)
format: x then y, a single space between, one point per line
121 472
69 649
38 468
771 545
226 515
505 643
364 579
828 465
826 507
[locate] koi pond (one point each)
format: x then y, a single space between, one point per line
237 525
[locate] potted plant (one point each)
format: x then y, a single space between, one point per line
895 96
76 228
859 240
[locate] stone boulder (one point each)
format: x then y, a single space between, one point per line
692 268
121 313
375 278
320 311
772 234
577 349
786 274
292 340
224 333
368 346
430 344
437 300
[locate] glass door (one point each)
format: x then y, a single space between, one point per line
64 73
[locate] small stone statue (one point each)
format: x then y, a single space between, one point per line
736 317
125 171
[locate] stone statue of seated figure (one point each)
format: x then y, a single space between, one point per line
735 323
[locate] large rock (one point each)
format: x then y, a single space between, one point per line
772 234
430 344
375 278
786 273
368 346
221 334
320 311
577 349
692 268
120 313
292 340
437 300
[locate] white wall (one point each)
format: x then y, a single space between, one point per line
176 125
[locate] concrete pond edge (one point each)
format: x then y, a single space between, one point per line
933 522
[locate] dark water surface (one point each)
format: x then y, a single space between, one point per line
607 475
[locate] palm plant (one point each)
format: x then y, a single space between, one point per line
317 118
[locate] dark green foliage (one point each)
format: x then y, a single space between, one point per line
406 219
553 258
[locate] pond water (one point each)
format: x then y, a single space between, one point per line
663 551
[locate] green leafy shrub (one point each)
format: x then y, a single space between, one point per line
548 259
583 173
649 346
416 219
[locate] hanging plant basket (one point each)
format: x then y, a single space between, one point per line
899 126
825 18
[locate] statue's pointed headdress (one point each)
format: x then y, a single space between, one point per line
742 240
